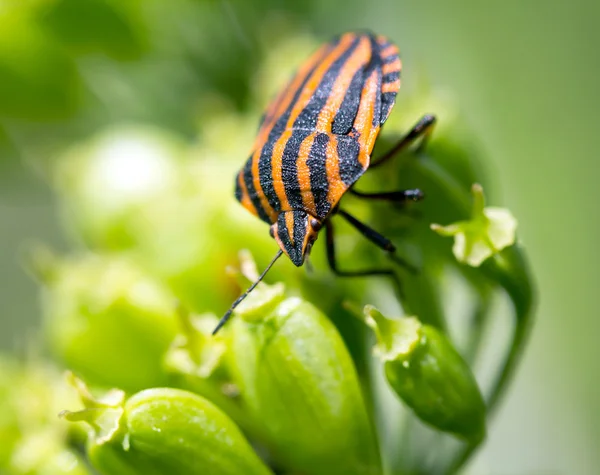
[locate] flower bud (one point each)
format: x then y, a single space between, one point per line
487 232
107 320
195 351
163 431
429 375
196 362
297 379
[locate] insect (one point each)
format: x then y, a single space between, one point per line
315 141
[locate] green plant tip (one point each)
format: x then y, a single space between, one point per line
489 230
396 339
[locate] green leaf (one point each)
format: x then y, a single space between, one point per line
89 26
37 79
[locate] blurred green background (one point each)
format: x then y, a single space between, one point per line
524 75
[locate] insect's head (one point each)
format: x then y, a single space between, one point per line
295 232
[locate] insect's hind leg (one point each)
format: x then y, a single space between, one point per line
398 199
422 130
331 258
378 239
400 196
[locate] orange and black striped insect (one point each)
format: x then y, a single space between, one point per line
315 141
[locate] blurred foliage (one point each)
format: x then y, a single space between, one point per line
138 114
31 395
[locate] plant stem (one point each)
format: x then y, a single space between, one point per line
510 270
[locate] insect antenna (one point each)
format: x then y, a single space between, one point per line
227 315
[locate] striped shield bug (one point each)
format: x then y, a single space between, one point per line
315 141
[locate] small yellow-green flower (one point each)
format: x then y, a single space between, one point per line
489 230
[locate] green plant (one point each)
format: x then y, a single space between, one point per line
292 377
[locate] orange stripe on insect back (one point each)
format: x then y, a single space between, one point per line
264 202
364 117
284 103
315 79
277 171
283 100
289 224
245 200
303 173
388 51
360 56
390 86
307 92
392 67
332 168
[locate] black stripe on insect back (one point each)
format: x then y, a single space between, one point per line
289 169
344 119
238 190
388 98
350 168
254 198
299 231
391 77
307 119
284 237
375 65
305 124
265 175
319 185
266 155
387 102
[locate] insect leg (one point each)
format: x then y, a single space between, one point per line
377 239
422 130
329 234
400 196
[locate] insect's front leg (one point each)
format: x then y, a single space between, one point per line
422 130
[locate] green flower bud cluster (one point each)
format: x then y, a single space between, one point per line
289 384
296 394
